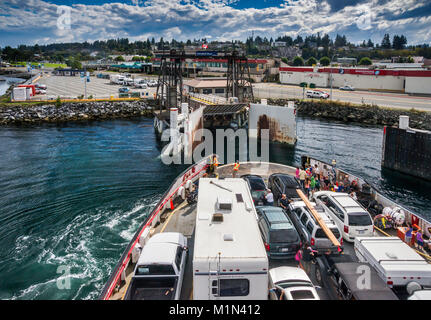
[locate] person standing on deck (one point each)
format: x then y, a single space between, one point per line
297 173
312 184
317 171
235 169
284 202
302 176
419 240
269 198
307 187
215 165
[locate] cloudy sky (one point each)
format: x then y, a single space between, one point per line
47 21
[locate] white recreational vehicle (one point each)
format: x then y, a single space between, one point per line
395 262
229 261
117 79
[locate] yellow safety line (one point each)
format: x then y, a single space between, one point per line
202 100
388 235
163 229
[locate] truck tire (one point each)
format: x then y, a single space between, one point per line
318 275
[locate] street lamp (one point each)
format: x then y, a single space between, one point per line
333 56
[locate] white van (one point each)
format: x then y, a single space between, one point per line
351 218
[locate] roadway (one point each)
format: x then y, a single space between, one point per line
383 99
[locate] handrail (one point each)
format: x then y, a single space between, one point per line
168 195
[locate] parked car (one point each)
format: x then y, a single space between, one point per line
310 230
347 88
281 183
40 91
317 94
350 217
278 232
159 271
257 188
123 90
40 86
290 283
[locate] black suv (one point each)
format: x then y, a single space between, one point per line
257 187
278 232
281 183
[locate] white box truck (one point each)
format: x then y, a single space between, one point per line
229 259
395 262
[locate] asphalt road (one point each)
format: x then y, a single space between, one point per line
392 100
72 87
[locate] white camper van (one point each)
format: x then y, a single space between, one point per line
395 262
229 260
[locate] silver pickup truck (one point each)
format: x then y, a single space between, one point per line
159 271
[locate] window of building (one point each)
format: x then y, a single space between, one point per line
219 90
207 91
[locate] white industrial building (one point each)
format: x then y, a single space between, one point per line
417 81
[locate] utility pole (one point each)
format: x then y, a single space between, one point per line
330 72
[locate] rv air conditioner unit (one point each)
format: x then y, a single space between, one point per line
224 203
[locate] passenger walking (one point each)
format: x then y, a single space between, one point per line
235 169
297 173
269 198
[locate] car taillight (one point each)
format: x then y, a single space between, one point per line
346 229
267 247
390 283
312 242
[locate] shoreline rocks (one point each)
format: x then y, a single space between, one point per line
366 114
73 112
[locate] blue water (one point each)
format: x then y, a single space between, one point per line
72 196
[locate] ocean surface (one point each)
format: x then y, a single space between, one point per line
72 196
4 85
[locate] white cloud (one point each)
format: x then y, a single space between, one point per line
212 19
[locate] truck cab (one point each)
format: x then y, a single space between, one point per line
159 271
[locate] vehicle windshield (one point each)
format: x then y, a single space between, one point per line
282 235
154 269
359 219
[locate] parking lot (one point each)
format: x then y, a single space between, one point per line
67 87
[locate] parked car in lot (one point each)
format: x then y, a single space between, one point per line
347 88
281 183
278 232
350 217
123 90
290 283
310 230
40 86
257 188
159 272
317 94
40 91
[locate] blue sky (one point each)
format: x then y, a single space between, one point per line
48 21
